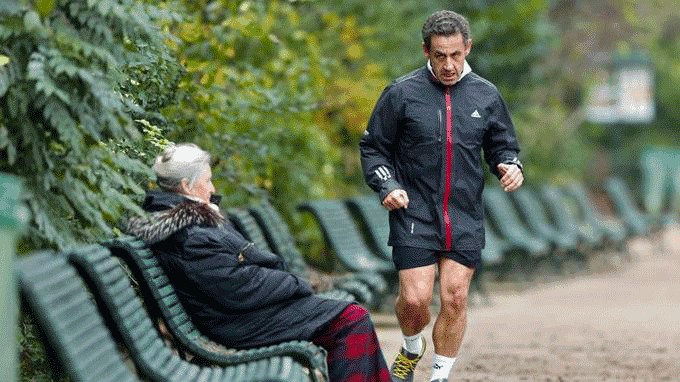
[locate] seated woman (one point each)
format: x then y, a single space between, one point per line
236 293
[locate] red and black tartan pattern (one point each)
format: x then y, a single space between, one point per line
354 353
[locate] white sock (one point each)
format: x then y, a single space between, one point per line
441 367
413 344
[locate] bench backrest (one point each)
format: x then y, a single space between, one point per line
152 356
73 328
246 224
279 236
344 237
376 220
161 296
625 206
495 248
503 214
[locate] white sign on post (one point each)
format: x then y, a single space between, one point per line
635 95
623 95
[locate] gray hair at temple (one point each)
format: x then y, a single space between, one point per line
445 23
179 162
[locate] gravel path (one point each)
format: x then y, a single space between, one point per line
621 325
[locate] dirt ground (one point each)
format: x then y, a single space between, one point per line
614 325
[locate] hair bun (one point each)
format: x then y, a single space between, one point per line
168 153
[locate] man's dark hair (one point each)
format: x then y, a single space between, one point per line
445 23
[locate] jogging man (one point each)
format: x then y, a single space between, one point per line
421 153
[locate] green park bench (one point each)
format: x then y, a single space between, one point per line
498 257
163 303
282 242
345 239
13 218
657 189
75 336
614 231
564 217
344 289
675 194
154 359
534 214
375 219
619 194
505 220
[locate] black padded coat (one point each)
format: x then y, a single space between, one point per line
236 294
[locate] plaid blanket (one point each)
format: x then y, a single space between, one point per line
354 353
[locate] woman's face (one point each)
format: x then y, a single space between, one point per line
203 187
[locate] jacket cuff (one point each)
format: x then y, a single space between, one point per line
516 162
507 160
387 187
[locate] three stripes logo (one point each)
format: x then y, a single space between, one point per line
383 173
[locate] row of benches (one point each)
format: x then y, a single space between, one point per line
84 335
529 231
549 224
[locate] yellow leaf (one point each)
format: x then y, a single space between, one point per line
355 51
190 32
205 79
44 7
219 78
4 60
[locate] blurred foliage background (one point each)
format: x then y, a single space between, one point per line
280 91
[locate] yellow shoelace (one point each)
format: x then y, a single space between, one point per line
403 365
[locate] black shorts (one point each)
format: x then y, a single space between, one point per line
409 257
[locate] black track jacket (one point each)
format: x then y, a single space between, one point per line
426 138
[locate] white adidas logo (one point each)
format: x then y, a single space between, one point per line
475 114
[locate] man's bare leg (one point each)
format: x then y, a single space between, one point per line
415 295
449 328
413 312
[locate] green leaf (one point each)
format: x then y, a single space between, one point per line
4 60
32 21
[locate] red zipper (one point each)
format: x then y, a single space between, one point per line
449 160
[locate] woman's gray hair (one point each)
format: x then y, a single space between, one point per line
445 23
179 162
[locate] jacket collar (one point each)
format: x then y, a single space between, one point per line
466 70
170 213
157 200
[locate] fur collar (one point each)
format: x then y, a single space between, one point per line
158 226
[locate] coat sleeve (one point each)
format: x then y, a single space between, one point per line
235 285
378 143
237 243
500 142
266 259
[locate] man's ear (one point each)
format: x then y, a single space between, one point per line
426 51
468 47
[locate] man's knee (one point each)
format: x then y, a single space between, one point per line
413 303
415 289
454 299
414 299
